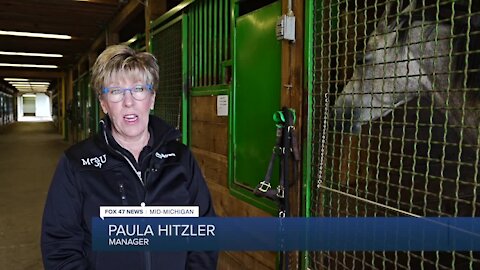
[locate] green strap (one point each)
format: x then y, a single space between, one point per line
279 118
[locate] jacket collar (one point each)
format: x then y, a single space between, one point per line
160 133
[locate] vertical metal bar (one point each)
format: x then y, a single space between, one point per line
209 42
332 20
342 209
191 45
369 145
437 12
228 19
198 55
464 102
336 30
64 109
205 45
215 77
185 84
194 44
231 117
307 165
84 107
221 20
359 143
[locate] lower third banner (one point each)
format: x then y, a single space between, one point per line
275 234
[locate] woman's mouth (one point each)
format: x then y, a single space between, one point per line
130 118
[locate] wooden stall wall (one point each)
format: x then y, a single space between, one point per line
209 143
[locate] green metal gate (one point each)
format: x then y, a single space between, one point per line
257 72
394 130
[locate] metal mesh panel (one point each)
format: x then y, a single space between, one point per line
396 120
167 47
6 108
76 112
8 116
84 106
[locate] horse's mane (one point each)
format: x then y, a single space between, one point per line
466 33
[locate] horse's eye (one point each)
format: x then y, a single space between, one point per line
364 58
360 59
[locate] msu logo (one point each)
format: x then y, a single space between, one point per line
95 161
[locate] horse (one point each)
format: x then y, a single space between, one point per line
421 61
424 64
411 54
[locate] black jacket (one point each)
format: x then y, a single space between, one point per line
99 172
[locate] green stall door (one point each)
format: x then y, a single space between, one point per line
256 98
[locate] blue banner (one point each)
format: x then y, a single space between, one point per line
275 234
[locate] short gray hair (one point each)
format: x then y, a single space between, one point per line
121 60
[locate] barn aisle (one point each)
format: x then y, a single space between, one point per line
29 152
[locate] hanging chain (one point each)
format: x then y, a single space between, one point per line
324 140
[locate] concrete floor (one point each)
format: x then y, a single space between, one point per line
29 153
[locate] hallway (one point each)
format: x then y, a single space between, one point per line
29 152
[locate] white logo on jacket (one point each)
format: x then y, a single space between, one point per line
95 161
162 155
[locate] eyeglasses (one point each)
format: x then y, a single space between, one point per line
116 94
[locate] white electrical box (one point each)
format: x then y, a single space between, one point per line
285 28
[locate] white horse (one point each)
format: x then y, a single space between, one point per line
409 54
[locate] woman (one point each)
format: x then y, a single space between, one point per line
134 158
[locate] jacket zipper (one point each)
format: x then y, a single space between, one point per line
122 193
139 174
148 260
148 257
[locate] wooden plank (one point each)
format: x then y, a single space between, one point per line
293 88
214 166
204 108
260 260
229 206
208 131
210 136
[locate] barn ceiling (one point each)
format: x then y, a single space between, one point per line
83 20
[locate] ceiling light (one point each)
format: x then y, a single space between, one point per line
29 83
27 65
16 79
31 54
29 86
32 89
29 34
29 95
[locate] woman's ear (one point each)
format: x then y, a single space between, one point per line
152 106
103 105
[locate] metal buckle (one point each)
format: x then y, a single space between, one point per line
278 150
281 214
264 186
280 192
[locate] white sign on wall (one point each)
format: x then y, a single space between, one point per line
222 105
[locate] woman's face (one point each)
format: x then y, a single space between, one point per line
129 116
